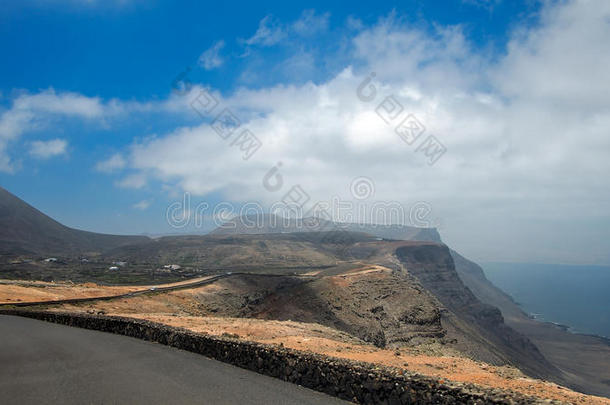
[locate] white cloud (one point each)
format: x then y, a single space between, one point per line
309 23
71 104
297 67
354 23
33 111
137 180
142 205
526 133
48 149
42 110
487 4
269 33
113 163
524 177
565 61
29 110
211 59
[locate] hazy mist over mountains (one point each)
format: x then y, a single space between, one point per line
524 132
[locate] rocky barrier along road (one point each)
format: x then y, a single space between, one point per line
355 381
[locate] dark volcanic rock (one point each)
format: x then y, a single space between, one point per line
359 382
433 266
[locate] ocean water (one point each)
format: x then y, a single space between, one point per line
575 296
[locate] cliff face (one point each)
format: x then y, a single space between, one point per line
584 358
481 325
473 277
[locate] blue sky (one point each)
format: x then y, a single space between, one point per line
130 49
92 134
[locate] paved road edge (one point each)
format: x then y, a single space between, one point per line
350 380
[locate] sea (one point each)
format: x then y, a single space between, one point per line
574 296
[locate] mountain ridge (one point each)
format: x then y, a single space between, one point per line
479 312
271 223
26 230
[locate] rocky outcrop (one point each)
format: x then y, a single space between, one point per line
433 266
358 382
384 308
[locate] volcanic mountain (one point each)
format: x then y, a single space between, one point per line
427 295
25 230
490 322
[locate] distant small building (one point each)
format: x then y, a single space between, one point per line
113 268
172 267
120 264
51 260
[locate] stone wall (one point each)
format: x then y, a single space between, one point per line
358 382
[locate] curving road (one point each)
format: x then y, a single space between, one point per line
148 290
43 362
198 282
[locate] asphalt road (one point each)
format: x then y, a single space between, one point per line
48 363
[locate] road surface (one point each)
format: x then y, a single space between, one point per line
148 290
42 362
198 282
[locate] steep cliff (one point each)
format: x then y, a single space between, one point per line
584 359
434 267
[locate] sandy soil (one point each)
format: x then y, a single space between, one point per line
12 291
432 361
319 339
180 308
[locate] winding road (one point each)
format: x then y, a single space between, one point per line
194 283
55 364
147 290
